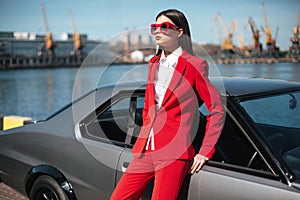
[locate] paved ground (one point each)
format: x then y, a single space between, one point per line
7 193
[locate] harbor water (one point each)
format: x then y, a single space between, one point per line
37 93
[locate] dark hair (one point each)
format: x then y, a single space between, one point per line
179 20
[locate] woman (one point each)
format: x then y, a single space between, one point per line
177 84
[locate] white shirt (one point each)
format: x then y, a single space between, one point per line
162 80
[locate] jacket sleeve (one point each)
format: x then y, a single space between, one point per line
215 120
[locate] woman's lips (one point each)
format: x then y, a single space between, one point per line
157 37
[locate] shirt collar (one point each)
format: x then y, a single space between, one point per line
173 57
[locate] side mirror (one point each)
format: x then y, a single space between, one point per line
293 102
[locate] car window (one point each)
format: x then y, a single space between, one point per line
121 104
233 147
140 102
110 123
280 110
277 117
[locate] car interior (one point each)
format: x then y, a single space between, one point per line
284 146
277 119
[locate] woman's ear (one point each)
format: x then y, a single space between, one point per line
180 32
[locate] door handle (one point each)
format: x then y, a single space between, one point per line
124 166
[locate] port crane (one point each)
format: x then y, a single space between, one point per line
50 46
239 35
243 50
270 42
257 46
275 38
227 46
295 48
76 36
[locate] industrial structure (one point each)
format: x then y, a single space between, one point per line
49 43
272 50
227 47
294 50
254 53
76 37
23 49
257 45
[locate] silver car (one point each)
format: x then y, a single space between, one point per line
81 151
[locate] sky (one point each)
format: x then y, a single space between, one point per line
103 20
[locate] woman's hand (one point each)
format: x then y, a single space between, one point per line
198 162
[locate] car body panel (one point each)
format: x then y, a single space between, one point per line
216 183
63 154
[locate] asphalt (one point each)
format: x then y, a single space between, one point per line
7 193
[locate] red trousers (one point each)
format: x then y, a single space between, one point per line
168 177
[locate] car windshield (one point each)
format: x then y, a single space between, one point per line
278 119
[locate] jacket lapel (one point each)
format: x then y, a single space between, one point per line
153 68
177 75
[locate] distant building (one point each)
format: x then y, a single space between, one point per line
23 45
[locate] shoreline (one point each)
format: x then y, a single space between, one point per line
45 63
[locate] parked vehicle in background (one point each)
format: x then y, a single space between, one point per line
81 151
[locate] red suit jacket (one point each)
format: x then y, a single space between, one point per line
172 123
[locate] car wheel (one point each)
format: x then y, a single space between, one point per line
46 188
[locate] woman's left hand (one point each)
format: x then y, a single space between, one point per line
198 162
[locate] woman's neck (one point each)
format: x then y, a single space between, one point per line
170 50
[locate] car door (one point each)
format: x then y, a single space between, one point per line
134 125
239 170
103 133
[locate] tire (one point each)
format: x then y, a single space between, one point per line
46 188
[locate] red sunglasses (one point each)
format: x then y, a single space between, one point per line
164 27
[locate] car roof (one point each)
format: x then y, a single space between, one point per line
234 86
243 86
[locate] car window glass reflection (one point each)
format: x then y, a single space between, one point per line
280 110
235 149
277 117
111 124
